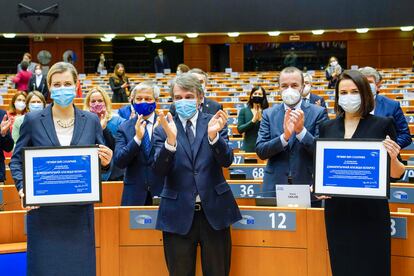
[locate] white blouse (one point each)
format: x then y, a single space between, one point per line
64 134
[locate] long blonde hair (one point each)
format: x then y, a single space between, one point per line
107 100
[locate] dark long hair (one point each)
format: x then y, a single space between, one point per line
264 104
361 82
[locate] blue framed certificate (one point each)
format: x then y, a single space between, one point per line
61 175
351 168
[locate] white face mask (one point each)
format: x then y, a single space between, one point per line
350 102
20 105
179 72
290 96
334 63
373 88
38 72
306 90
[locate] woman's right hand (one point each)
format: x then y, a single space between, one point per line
27 208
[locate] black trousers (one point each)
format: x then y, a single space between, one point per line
181 250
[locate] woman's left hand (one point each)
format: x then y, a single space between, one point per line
392 148
105 155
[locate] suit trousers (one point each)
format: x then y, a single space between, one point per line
181 250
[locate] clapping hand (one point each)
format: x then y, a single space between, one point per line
298 119
5 125
104 120
288 125
140 127
216 124
169 127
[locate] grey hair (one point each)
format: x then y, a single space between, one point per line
187 82
146 85
370 72
200 72
307 76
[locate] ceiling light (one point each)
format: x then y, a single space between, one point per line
139 38
170 38
192 35
318 32
156 40
150 35
362 30
233 34
9 35
407 28
178 40
275 33
106 39
111 36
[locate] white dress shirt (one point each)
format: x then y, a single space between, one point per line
38 80
149 127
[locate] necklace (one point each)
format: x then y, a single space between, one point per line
66 123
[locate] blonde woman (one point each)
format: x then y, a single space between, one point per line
98 102
60 239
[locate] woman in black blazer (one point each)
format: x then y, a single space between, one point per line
250 116
119 84
38 82
358 229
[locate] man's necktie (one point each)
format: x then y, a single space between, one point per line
146 142
189 132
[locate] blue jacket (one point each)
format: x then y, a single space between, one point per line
38 130
296 158
314 98
385 107
6 144
139 172
189 172
125 112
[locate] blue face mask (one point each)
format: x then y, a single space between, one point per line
186 108
63 96
144 108
35 106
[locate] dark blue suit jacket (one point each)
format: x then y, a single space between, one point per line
38 130
6 144
139 172
385 107
189 172
125 112
314 98
297 157
161 65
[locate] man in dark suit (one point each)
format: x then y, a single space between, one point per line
206 105
385 107
38 82
134 147
197 205
6 143
161 62
308 96
287 134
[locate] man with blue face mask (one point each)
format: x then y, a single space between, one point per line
386 107
197 205
134 148
287 134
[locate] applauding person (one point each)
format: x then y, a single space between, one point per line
197 205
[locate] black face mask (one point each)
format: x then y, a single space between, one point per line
257 100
